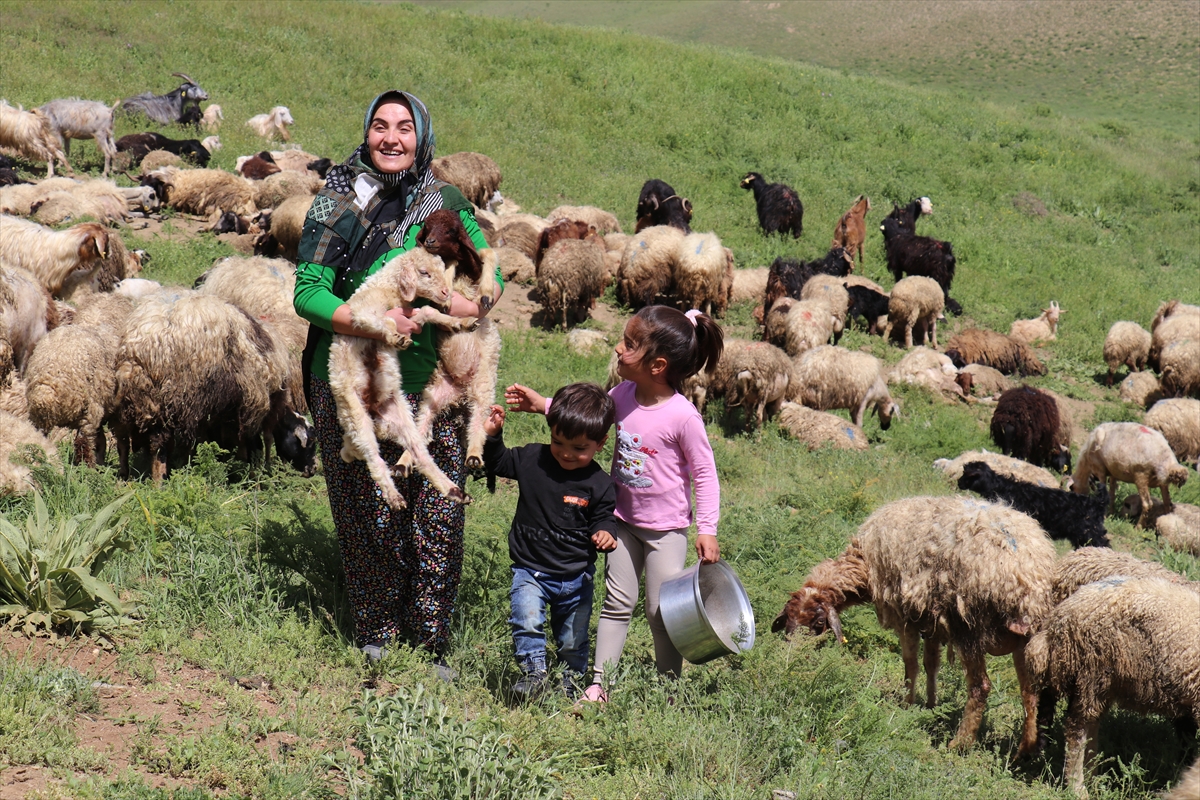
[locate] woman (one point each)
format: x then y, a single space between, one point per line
402 567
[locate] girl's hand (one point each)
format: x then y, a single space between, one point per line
604 541
708 549
495 421
404 325
522 398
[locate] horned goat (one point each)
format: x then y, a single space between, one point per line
174 107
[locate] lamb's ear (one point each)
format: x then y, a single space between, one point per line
406 282
780 622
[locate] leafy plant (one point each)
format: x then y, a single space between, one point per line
48 569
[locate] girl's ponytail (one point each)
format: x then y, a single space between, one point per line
688 342
710 342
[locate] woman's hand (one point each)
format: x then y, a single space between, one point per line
494 422
404 325
522 398
708 549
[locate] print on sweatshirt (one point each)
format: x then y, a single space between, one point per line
633 460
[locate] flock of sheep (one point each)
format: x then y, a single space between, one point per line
85 344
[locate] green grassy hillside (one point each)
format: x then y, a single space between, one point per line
238 573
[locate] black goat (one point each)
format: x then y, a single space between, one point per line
786 277
139 144
296 442
659 205
1026 425
867 303
174 107
908 216
779 207
1076 518
919 255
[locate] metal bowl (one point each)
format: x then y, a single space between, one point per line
707 613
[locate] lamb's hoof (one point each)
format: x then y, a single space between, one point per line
474 463
485 304
395 500
459 496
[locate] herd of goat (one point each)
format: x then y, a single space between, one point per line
85 345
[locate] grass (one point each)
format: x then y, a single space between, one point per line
237 573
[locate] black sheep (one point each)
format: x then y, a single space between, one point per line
1026 425
1076 518
139 144
919 255
659 205
779 207
786 277
867 303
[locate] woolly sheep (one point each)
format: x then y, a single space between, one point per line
1126 343
212 118
1133 453
296 160
1044 327
799 325
157 159
287 224
603 221
1179 365
1178 420
515 266
1090 564
521 235
1181 528
1188 786
16 435
101 200
947 569
20 200
1133 642
1026 424
475 175
274 189
749 284
27 313
203 191
755 376
570 278
700 266
815 429
647 265
829 288
1140 388
256 167
274 123
1173 322
1007 466
118 264
976 346
829 377
929 368
787 277
914 301
51 255
31 135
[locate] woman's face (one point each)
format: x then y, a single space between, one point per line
392 138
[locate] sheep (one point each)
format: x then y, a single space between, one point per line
870 305
749 284
797 326
919 255
258 166
947 569
571 277
31 135
157 159
647 265
832 290
521 235
779 207
1063 515
135 288
101 200
1121 640
830 377
603 221
282 239
929 368
1178 420
1126 343
211 143
1090 564
977 346
274 189
815 429
907 217
1140 388
212 118
851 229
204 191
915 300
475 175
272 124
173 107
755 376
1027 425
1133 453
1188 785
1041 328
27 313
515 266
700 267
659 205
1181 528
17 435
1179 365
299 161
557 231
51 255
786 277
118 264
1007 466
365 378
1174 321
139 145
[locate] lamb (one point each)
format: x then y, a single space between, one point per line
753 376
851 230
797 326
786 277
212 118
31 135
27 313
1041 328
815 429
272 124
475 175
779 207
1006 466
603 221
1090 564
977 346
1026 424
829 377
296 160
17 435
832 290
748 284
919 255
205 191
929 368
175 106
1063 515
51 255
365 378
258 166
571 277
1178 420
947 569
868 304
701 264
139 145
985 381
73 118
1126 343
659 205
647 265
915 300
1128 641
1133 453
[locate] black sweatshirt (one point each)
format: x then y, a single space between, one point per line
558 509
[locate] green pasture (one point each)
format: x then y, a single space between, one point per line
237 571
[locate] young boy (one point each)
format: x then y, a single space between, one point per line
564 515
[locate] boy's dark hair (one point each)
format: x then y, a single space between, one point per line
581 409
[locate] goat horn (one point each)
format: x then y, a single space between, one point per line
185 77
836 623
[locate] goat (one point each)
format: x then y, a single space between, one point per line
779 207
659 205
139 144
1039 328
174 107
908 216
273 122
851 229
919 255
73 118
32 136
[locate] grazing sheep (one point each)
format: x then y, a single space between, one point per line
1133 453
832 290
205 191
27 313
1181 528
851 230
1126 343
139 145
571 277
16 436
1179 365
1133 642
799 325
1178 420
274 123
647 265
867 304
1042 328
915 300
946 569
31 135
176 106
212 118
815 429
929 368
659 205
977 346
603 221
51 255
749 284
753 376
700 266
1027 425
1090 564
1078 519
1140 388
779 207
786 277
829 377
475 175
920 255
1007 466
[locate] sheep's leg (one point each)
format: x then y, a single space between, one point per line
123 444
1142 482
910 642
397 424
933 331
862 409
439 395
1110 376
1029 699
83 449
932 663
1112 491
101 447
428 315
1166 498
1079 732
348 382
979 686
160 450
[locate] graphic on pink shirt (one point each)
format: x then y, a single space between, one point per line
632 462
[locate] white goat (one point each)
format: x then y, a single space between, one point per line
273 122
212 118
73 118
31 135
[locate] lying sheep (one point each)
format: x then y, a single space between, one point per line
571 277
475 175
1181 528
603 221
831 377
31 135
1188 785
1009 467
1178 420
27 313
521 235
929 368
103 201
20 199
1090 564
1133 642
1133 453
815 429
50 255
914 301
1077 519
16 436
296 160
1126 343
799 325
515 266
647 265
701 263
748 284
976 346
1026 424
1141 388
256 167
287 223
1041 328
946 569
212 118
203 191
753 376
1174 321
274 189
272 124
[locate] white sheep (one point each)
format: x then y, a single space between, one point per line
1133 453
1179 421
1126 343
648 264
73 118
296 160
273 190
1040 328
205 191
1007 466
1173 322
1181 528
799 325
51 255
211 143
22 197
30 134
749 284
603 221
915 300
16 436
1090 564
27 313
211 119
1179 365
515 266
1141 388
830 377
101 200
832 290
929 368
755 376
815 429
473 174
287 224
274 123
571 277
700 266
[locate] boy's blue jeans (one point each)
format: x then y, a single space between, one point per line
570 601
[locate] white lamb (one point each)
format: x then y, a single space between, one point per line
273 123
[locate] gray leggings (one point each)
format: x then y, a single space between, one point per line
661 554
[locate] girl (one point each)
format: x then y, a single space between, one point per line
661 450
